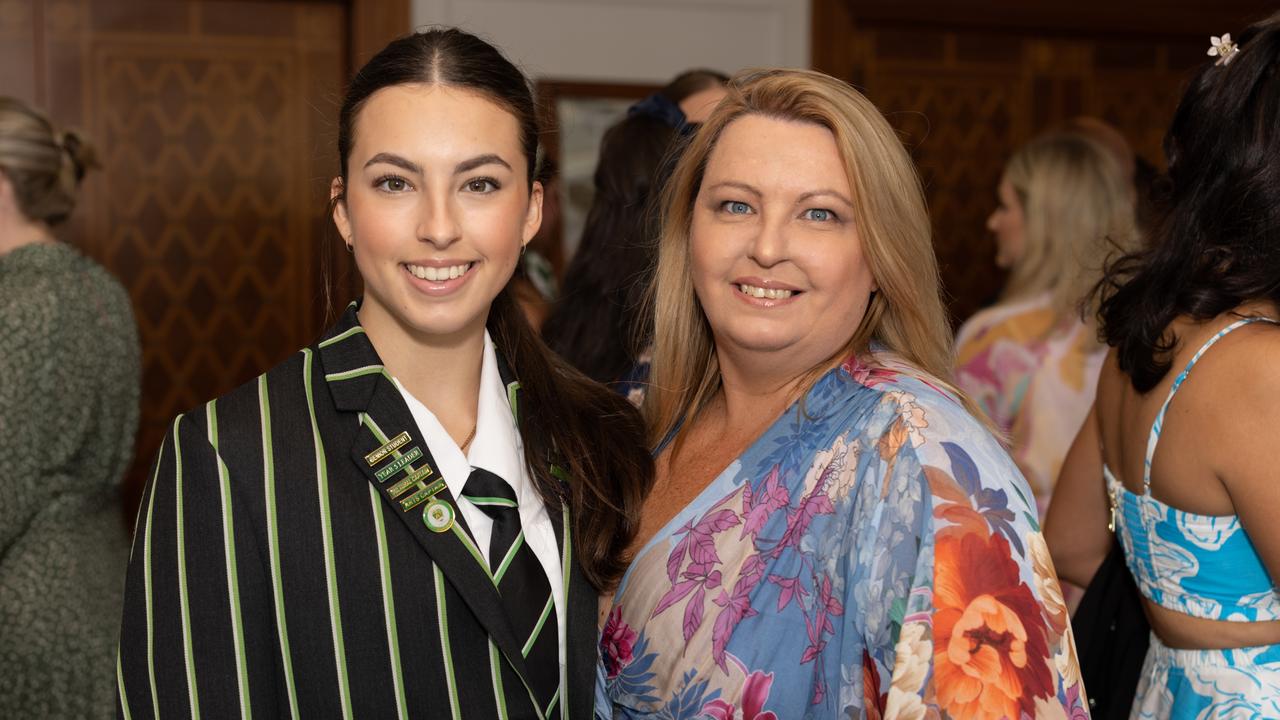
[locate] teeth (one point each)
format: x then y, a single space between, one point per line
770 293
436 274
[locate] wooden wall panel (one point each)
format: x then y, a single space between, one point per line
215 121
967 83
213 224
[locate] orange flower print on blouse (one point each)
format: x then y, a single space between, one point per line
991 655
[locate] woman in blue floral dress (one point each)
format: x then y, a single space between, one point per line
832 532
1178 456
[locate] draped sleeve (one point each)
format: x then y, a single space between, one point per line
977 626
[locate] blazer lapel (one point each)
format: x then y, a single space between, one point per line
582 634
359 384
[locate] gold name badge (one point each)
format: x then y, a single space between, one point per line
422 495
381 453
414 478
398 464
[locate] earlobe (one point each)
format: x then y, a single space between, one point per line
337 199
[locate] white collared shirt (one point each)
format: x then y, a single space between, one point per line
497 448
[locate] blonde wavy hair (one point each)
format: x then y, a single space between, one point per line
1078 210
905 315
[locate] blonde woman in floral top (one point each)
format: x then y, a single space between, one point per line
832 532
1032 360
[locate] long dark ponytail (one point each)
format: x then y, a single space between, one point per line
564 418
1218 244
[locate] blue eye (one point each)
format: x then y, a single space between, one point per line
736 207
819 215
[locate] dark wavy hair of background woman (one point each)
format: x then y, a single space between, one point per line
1218 244
597 324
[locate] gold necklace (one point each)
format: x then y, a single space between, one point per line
471 436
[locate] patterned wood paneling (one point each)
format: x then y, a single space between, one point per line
215 123
212 223
966 85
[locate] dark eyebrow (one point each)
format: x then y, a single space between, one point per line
479 161
393 159
732 184
830 193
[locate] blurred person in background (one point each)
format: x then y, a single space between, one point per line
1032 360
69 377
696 93
1149 183
599 324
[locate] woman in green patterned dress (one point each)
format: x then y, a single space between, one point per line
68 410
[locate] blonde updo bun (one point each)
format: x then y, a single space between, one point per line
44 166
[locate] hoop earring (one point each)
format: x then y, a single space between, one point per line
351 245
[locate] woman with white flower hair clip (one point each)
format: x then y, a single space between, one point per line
1189 484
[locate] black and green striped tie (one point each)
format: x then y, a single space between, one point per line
522 583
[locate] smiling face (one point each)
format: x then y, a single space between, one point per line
777 261
1007 223
436 208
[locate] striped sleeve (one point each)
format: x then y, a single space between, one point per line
193 638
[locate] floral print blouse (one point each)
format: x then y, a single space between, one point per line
875 554
1035 376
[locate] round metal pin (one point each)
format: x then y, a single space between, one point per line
438 516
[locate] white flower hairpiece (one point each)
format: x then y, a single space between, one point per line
1222 48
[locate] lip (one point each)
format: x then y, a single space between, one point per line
756 302
439 288
766 284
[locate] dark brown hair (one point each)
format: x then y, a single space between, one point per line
691 82
598 323
564 418
1217 245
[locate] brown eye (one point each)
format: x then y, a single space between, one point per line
392 184
482 185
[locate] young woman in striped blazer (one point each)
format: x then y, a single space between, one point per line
389 523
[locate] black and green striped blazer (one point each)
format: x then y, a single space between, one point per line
273 575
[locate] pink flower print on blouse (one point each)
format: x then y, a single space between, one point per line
618 640
868 375
700 575
888 370
759 505
755 691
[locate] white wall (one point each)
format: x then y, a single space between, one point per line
638 41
